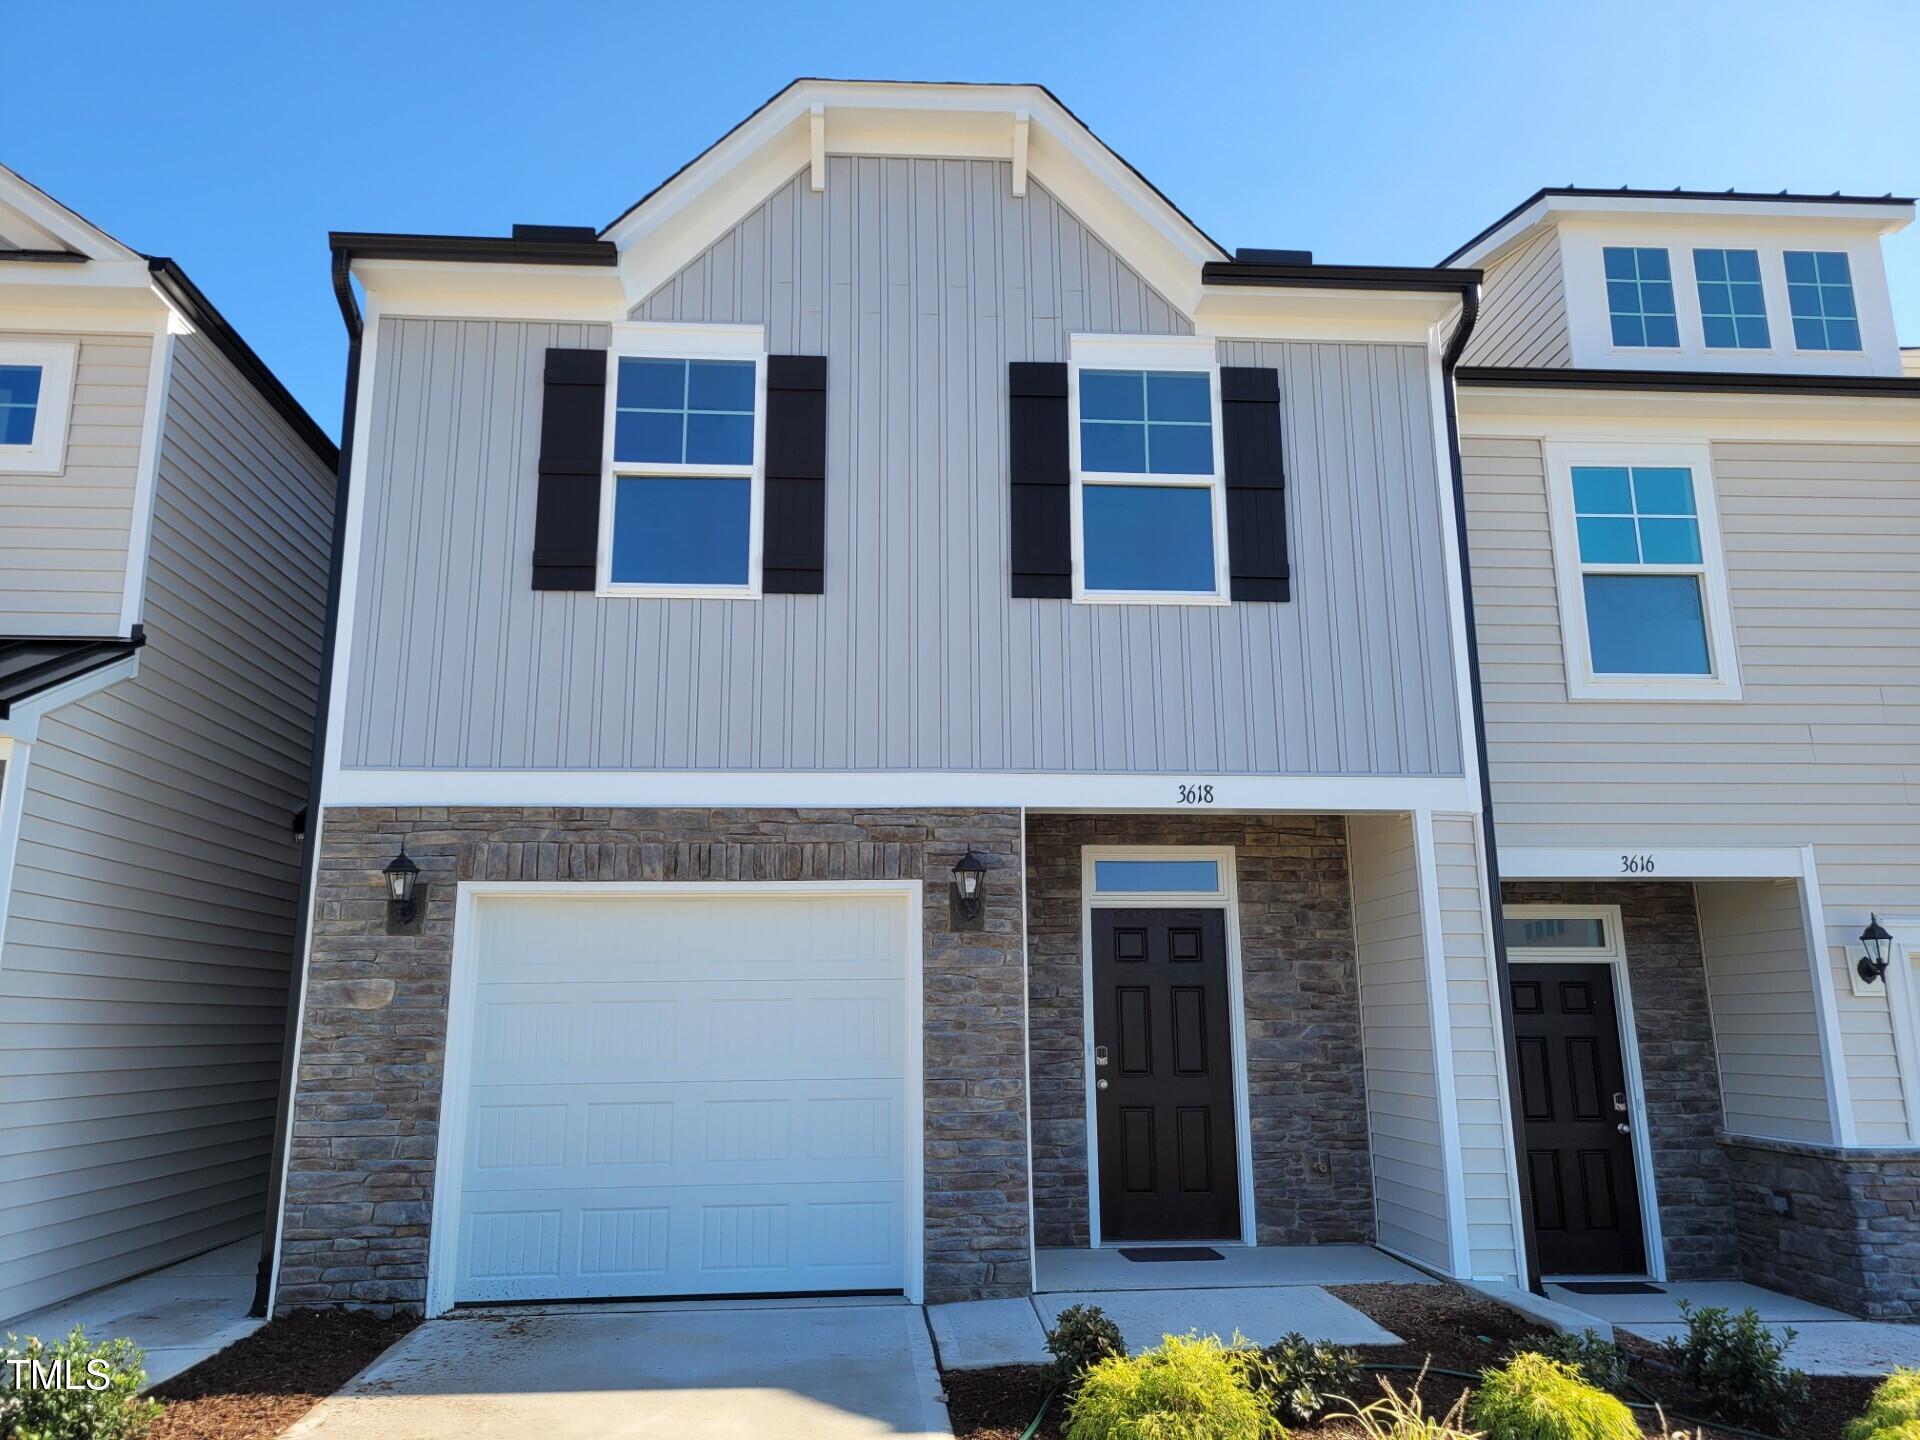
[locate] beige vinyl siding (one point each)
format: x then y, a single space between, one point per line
1486 1146
1822 546
1523 310
64 538
1765 1025
143 975
1397 1042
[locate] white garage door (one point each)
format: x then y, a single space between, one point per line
689 1094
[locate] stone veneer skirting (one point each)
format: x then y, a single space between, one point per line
1313 1182
1850 1237
367 1105
1673 1024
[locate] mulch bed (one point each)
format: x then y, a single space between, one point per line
1444 1326
257 1387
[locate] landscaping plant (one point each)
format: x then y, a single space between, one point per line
1737 1367
1893 1413
1534 1398
1395 1416
1186 1388
52 1394
1299 1378
1082 1336
1598 1362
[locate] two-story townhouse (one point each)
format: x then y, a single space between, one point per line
900 716
1692 468
166 513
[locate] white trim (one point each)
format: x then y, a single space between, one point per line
354 534
1026 1047
146 481
317 826
1191 353
15 755
48 215
1225 899
1502 1069
1826 1008
1022 124
1663 862
1583 683
648 340
817 147
1687 416
457 1070
1903 998
1038 790
1433 952
1614 957
23 723
56 360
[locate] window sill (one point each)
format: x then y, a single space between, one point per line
1147 597
1653 688
677 592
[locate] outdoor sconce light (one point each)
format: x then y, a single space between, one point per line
968 872
1873 964
403 875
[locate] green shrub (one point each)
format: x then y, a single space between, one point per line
1082 1336
1534 1398
1186 1388
1395 1416
1893 1413
1737 1367
65 1405
1598 1362
1299 1378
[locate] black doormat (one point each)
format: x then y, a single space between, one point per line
1611 1287
1161 1253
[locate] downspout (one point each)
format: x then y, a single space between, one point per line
1503 1002
310 857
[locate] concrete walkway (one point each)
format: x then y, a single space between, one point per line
179 1315
699 1372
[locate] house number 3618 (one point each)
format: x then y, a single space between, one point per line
1636 864
1196 794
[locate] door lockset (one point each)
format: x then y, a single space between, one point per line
1099 1054
1620 1101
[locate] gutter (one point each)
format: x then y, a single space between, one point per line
1696 382
1503 1002
1416 278
310 851
465 249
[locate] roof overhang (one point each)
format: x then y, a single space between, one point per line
41 673
1348 302
1838 408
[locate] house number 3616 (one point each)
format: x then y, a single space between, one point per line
1636 864
1196 794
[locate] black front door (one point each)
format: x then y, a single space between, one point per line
1573 1087
1163 1067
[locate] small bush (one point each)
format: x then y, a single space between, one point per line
1737 1367
1299 1378
67 1406
1893 1413
1186 1388
1395 1416
1082 1336
1534 1398
1598 1362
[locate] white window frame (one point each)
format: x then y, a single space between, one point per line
1583 683
56 359
1190 353
1614 956
1673 280
1853 289
638 340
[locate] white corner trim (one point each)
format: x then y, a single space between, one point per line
353 537
1583 682
1826 1007
316 836
1902 983
16 755
46 454
817 147
1454 564
1022 122
146 480
1440 1028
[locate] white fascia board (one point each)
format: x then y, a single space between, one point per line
1554 413
893 789
52 218
1250 312
434 288
1640 859
22 723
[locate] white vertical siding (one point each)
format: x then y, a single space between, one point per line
64 538
1822 547
1397 1041
1523 310
144 971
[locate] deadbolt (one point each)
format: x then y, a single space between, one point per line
1099 1054
1620 1101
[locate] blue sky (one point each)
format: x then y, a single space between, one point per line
233 137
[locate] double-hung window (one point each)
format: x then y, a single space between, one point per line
1733 306
36 384
1642 582
1640 297
1820 299
681 497
1149 520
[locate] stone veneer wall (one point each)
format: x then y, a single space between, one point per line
1307 1090
1674 1026
367 1107
1850 1237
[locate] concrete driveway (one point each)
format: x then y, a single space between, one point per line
707 1372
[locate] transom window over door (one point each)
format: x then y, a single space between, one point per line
683 495
1149 521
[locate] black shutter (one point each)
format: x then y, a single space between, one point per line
573 418
1037 462
1256 483
794 529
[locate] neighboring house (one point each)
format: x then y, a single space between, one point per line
1693 482
165 523
905 485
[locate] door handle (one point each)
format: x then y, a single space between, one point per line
1100 1084
1099 1054
1624 1128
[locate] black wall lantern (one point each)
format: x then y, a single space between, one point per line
969 874
1873 964
403 880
